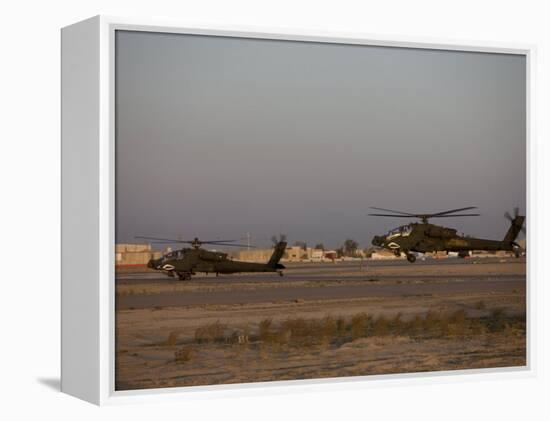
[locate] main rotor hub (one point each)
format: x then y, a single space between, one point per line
196 243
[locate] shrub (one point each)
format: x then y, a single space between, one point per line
417 324
458 317
264 328
497 320
381 326
497 313
480 305
213 332
341 326
396 324
172 338
329 326
183 355
299 331
329 329
359 324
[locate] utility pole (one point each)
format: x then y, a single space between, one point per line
247 238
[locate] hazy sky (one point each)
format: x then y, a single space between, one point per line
216 137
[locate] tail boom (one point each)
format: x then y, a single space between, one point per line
278 253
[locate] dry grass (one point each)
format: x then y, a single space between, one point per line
497 320
185 354
172 338
264 328
359 324
213 332
480 305
380 327
330 331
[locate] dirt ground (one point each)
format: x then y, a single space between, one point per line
300 338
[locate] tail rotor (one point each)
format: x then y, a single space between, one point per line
511 218
276 240
516 225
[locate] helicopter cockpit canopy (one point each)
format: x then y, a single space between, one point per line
176 254
402 231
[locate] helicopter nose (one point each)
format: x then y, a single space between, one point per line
151 264
377 240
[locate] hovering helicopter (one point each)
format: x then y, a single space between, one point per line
425 237
185 262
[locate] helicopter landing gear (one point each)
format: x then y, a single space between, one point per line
411 257
280 272
463 254
183 276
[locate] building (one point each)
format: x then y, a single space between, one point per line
317 255
297 254
134 254
253 255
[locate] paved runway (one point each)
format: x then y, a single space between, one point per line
348 270
507 284
322 281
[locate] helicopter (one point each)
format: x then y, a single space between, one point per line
185 262
425 237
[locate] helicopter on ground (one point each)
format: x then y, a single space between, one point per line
424 237
185 262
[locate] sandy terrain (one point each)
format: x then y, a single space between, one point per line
437 315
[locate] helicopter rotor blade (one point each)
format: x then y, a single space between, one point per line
164 242
230 244
157 240
392 216
394 211
424 216
511 217
170 240
451 211
452 216
173 241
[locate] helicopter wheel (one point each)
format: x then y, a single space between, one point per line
184 276
280 273
411 257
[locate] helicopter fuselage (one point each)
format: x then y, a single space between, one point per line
426 237
188 261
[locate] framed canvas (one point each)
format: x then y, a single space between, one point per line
251 210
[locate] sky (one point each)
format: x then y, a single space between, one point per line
217 137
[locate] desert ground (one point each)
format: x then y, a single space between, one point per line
320 320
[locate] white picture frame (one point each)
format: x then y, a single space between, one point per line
88 212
